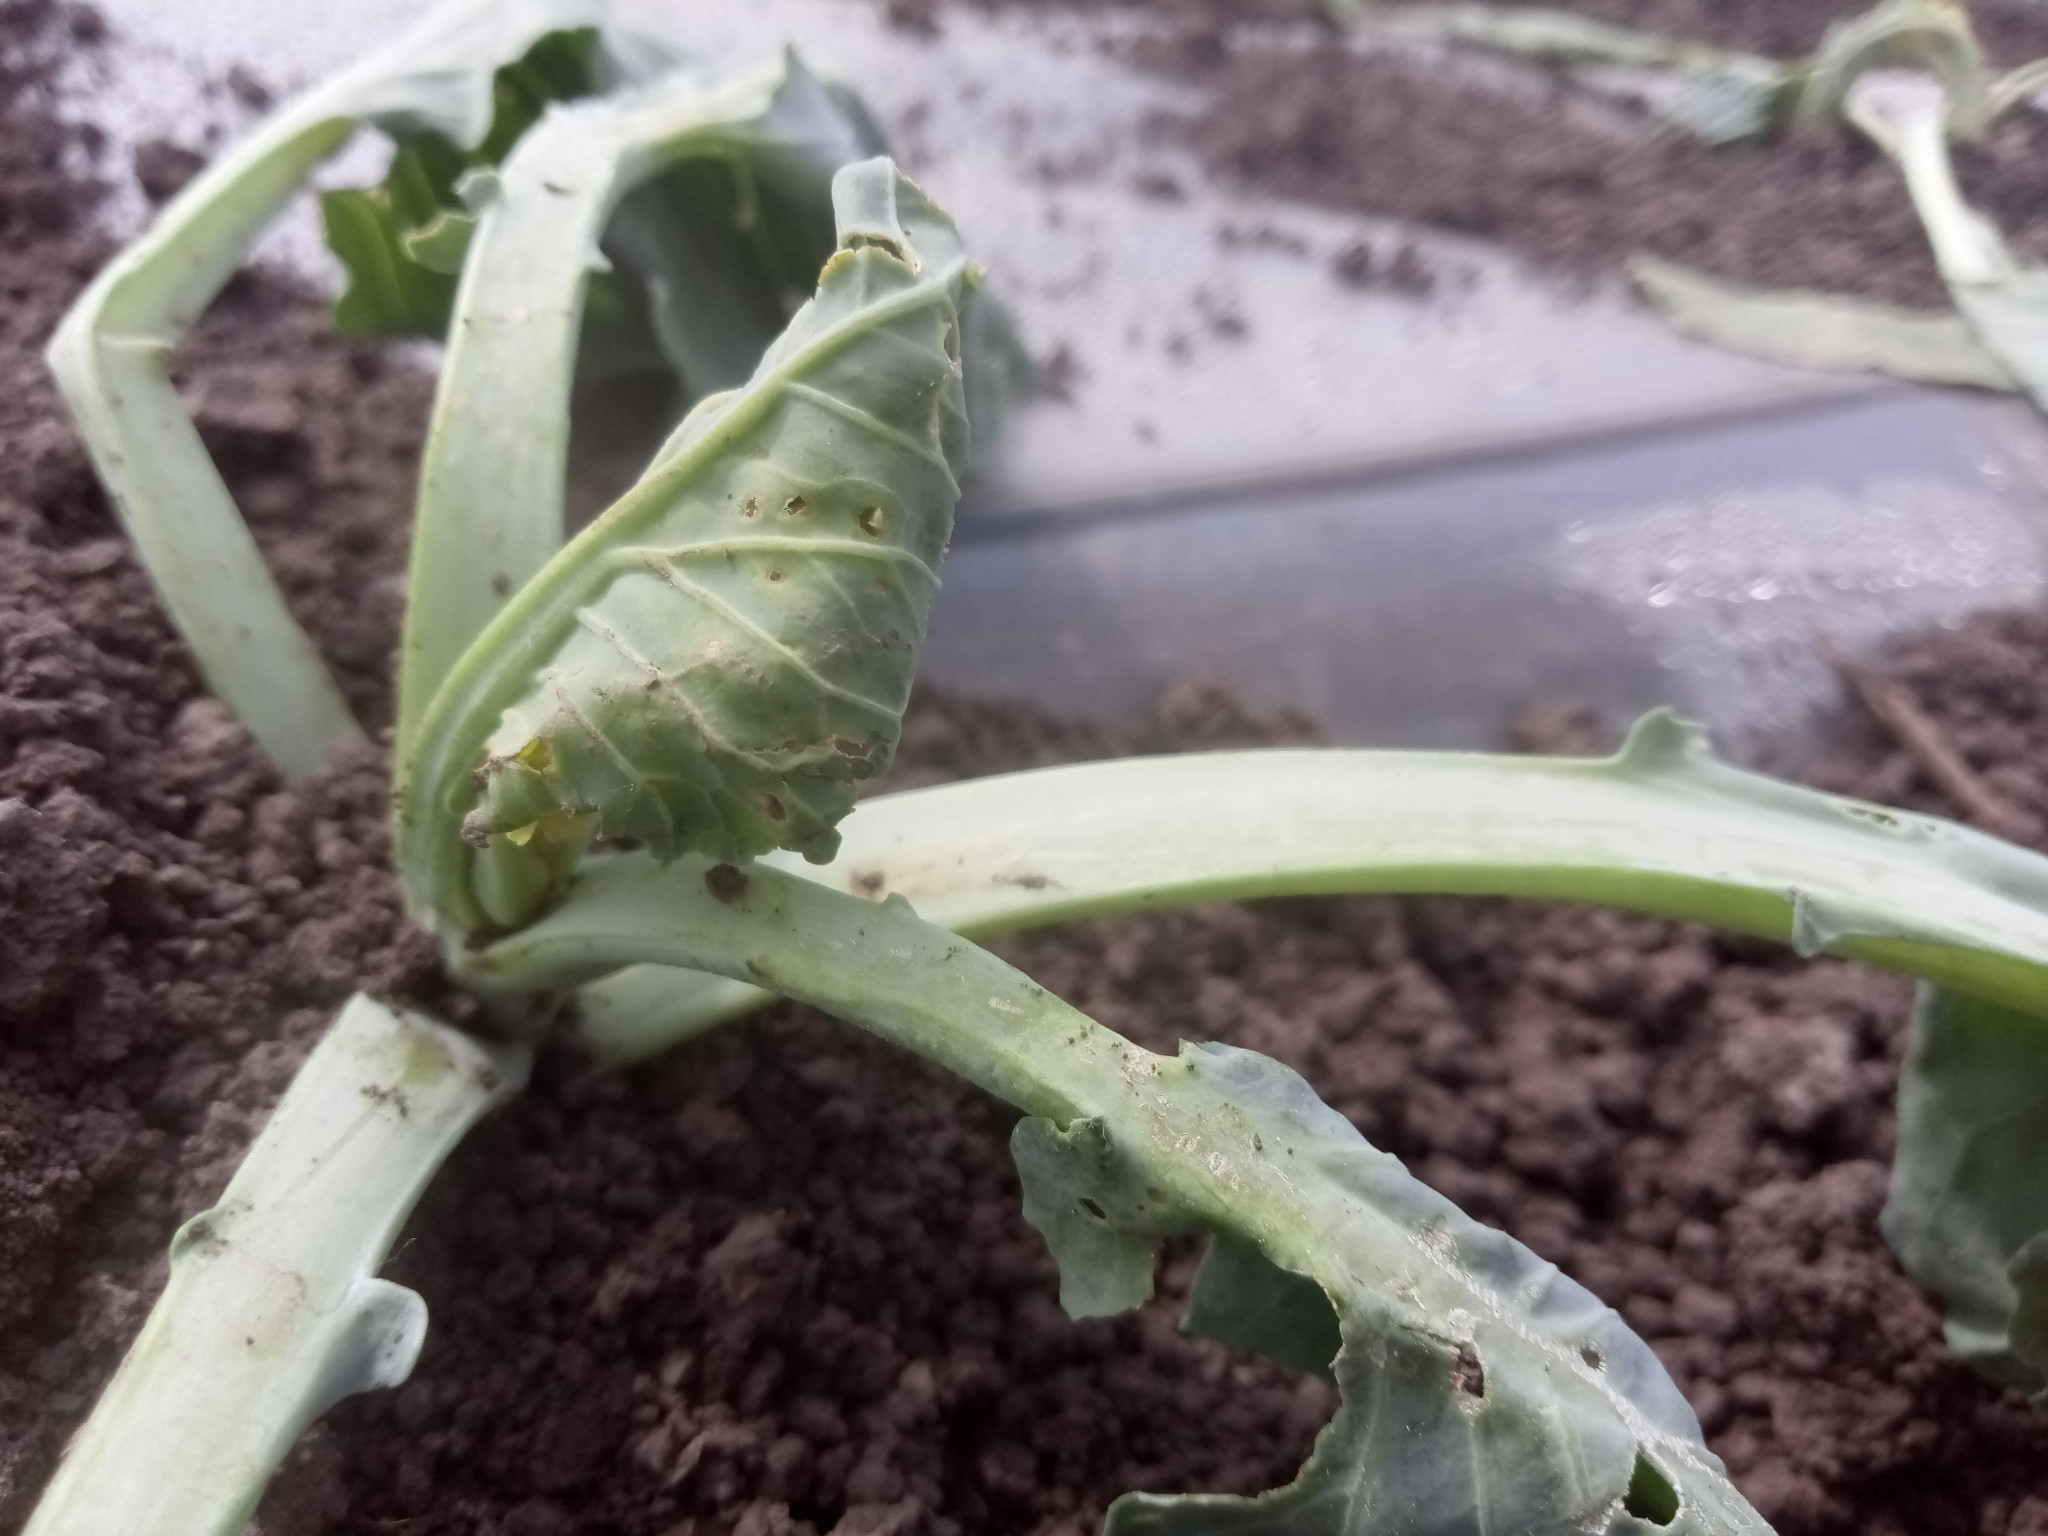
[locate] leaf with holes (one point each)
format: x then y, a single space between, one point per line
717 663
1483 1390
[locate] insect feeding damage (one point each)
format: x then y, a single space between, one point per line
734 642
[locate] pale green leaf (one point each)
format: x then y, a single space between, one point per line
274 1310
2021 85
1105 1268
1483 1390
1934 35
2004 300
1720 95
721 658
493 479
1243 1299
111 357
1824 331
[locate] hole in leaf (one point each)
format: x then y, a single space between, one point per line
796 506
775 575
1093 1209
750 506
863 242
872 521
1591 1356
771 806
1650 1494
1468 1372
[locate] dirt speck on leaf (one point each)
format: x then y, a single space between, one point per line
726 882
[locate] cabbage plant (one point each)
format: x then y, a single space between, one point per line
625 772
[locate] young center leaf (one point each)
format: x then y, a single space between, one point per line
401 242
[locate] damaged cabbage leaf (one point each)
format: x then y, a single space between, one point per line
493 478
1483 1390
1968 1210
719 660
1719 95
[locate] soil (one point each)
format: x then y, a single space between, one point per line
1573 183
779 1283
177 925
1770 27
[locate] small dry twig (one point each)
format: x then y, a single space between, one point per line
1894 709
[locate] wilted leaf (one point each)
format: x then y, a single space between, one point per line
2004 301
1718 94
726 653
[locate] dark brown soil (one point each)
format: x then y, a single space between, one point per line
2008 30
174 925
1790 28
1529 163
1572 190
1397 139
779 1284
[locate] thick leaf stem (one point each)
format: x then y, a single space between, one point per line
1210 1140
1661 828
274 1311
